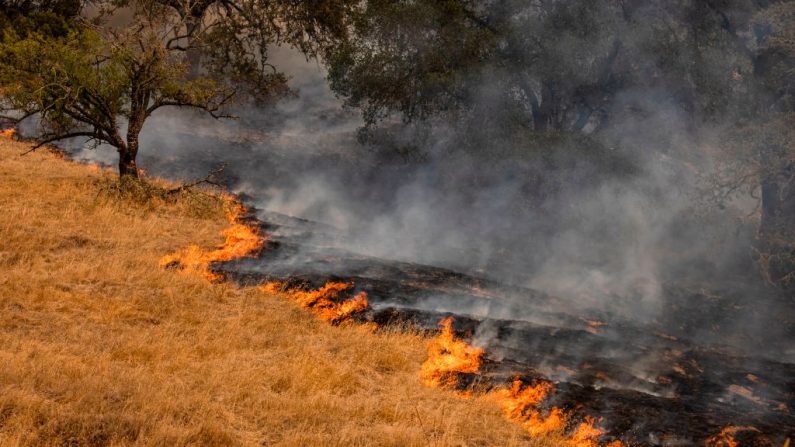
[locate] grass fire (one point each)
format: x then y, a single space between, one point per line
324 301
449 358
101 345
397 223
240 240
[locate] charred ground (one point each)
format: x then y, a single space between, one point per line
674 380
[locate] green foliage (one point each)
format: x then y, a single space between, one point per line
550 65
85 82
16 9
408 56
48 73
92 79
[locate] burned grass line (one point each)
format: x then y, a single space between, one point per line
101 345
324 302
449 358
562 413
240 240
453 363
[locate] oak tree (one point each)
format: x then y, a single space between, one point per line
102 81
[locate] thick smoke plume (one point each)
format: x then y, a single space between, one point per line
613 225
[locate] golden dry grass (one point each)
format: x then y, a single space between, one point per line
100 346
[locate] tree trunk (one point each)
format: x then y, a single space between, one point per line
778 190
549 114
127 166
778 204
770 206
193 54
128 152
777 227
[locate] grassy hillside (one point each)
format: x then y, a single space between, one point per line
101 346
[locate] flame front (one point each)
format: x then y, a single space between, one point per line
724 439
324 302
522 404
8 133
240 240
448 357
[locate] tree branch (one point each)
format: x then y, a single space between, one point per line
208 179
208 107
46 141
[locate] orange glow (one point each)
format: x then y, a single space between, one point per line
8 133
537 424
521 405
586 435
324 302
725 438
517 400
449 356
240 240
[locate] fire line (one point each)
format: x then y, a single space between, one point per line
324 302
241 240
450 358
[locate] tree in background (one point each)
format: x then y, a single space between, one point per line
14 9
545 65
102 82
532 68
759 159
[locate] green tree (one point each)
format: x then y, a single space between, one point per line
548 65
13 9
523 68
102 82
759 155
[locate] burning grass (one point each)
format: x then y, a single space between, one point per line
450 357
728 437
325 302
240 240
101 346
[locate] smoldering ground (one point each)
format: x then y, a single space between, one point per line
610 223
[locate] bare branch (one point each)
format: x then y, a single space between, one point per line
65 136
209 107
175 38
208 180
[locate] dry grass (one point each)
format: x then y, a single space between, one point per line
99 346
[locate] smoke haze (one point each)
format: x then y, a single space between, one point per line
610 227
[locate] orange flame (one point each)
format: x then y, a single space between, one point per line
448 357
726 437
587 435
517 400
324 302
240 241
522 405
8 133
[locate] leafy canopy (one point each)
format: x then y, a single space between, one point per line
103 78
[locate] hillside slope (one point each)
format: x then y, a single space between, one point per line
101 346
